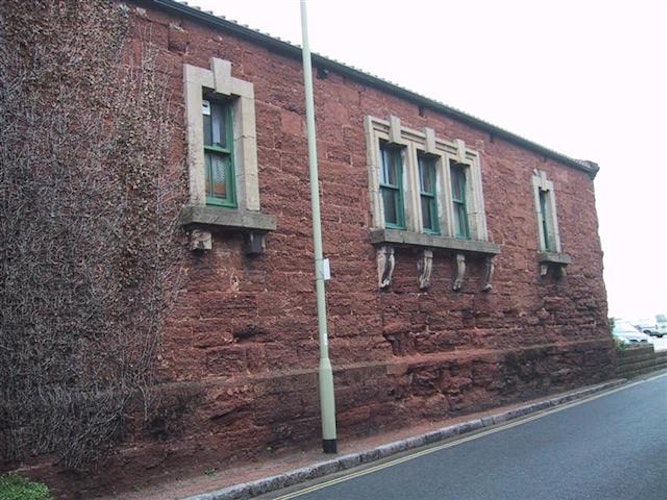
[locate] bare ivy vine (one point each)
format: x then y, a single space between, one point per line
89 249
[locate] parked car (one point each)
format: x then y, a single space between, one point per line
628 334
647 327
660 325
655 329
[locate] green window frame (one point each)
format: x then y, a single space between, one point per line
428 193
391 185
459 202
218 122
545 218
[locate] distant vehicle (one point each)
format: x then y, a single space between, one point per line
660 325
628 334
657 329
647 326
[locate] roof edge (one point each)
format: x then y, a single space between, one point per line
294 51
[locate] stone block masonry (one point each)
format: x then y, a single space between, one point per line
245 328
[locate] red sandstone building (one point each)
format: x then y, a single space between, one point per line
466 267
466 270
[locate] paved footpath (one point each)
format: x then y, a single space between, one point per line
252 480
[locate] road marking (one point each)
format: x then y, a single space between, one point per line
477 435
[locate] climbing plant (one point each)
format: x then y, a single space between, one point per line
89 249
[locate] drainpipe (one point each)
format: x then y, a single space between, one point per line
327 401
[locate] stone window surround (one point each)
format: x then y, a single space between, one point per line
197 217
552 257
426 142
385 239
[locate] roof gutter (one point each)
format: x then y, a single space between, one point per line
294 52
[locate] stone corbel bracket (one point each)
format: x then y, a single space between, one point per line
384 238
200 222
425 268
385 266
557 261
489 269
200 239
460 272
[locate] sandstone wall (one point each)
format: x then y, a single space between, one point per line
243 336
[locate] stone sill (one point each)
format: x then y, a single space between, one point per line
410 238
226 218
562 259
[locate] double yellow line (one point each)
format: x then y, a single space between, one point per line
457 442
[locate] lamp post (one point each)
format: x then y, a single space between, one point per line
325 374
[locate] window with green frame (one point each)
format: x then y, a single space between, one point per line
545 217
391 185
459 203
428 193
218 153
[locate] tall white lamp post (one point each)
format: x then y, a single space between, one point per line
327 400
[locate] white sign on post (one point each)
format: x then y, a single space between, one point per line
326 269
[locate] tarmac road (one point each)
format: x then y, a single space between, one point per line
613 446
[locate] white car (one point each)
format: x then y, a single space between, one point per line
654 329
660 325
627 334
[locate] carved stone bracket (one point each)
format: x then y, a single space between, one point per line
200 239
460 272
425 267
561 270
385 265
254 242
557 261
489 268
202 221
423 245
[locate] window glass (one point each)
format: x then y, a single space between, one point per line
460 211
391 184
216 120
428 219
391 207
217 170
544 207
208 140
391 165
427 183
219 125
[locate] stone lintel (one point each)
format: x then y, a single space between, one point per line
410 238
